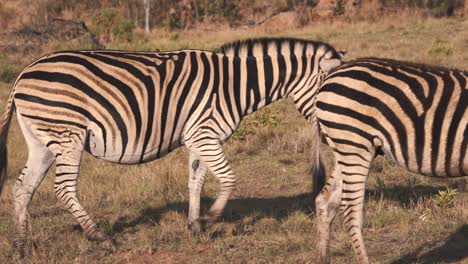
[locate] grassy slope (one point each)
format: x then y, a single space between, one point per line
270 219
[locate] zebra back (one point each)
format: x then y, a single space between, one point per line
415 113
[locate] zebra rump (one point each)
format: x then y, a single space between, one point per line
415 114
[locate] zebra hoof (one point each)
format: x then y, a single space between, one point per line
197 227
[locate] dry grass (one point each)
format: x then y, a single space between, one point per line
270 219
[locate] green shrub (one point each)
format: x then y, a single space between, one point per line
109 24
261 119
445 199
440 49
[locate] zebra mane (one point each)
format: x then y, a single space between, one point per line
273 46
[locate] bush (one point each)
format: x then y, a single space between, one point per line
110 25
261 119
445 199
436 8
440 49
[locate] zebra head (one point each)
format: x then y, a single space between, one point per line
331 60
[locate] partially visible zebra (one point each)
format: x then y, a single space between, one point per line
135 107
415 114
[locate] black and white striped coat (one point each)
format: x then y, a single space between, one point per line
134 107
415 114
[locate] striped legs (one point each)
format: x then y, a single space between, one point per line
352 205
39 161
210 151
344 189
327 203
67 170
354 170
197 174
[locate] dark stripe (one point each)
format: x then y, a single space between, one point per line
387 112
349 142
281 72
226 83
371 121
93 95
293 61
349 128
237 87
181 100
201 95
268 71
447 91
455 123
85 113
252 84
55 142
303 60
128 92
167 102
463 151
149 85
216 89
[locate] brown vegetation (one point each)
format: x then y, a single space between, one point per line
409 218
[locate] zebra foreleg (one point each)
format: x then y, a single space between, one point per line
211 154
197 174
327 203
67 171
39 161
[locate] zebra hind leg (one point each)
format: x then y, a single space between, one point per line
327 203
66 177
39 161
354 171
197 174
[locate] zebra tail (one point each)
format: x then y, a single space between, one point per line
5 119
318 169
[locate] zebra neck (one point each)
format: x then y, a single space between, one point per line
304 95
254 82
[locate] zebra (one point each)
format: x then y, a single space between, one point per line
415 114
134 107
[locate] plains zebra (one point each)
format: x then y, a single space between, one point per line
415 114
134 107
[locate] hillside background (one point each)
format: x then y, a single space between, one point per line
186 14
30 28
408 218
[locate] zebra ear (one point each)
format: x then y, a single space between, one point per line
329 64
342 53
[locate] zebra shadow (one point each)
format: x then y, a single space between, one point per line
454 249
281 207
237 209
405 195
276 207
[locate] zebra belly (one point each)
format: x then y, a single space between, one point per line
106 150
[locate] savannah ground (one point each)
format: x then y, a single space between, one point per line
270 219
